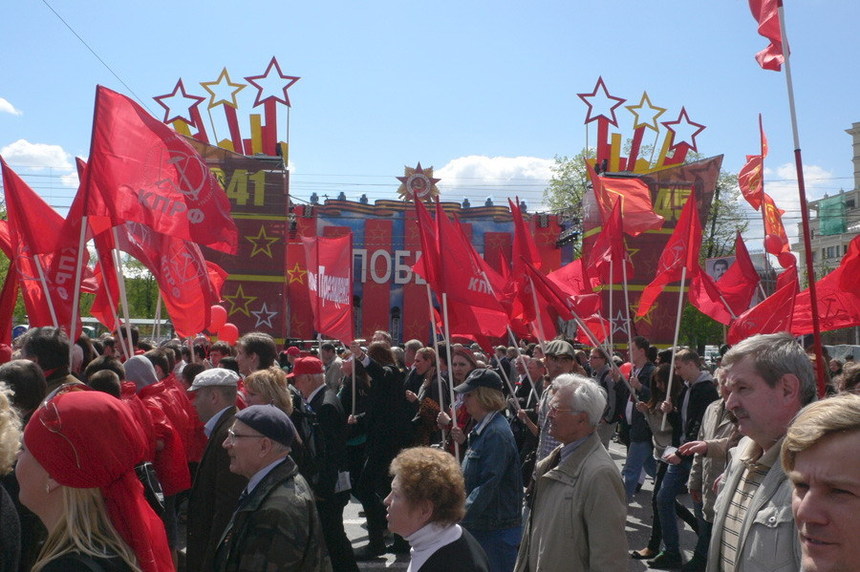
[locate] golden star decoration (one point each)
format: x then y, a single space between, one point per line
417 183
648 112
647 318
262 242
296 274
218 95
239 302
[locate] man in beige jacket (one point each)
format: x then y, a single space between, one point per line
578 504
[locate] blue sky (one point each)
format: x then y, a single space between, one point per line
485 92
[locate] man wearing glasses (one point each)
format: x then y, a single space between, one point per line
578 504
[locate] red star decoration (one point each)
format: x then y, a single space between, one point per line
602 106
274 85
684 131
166 101
409 173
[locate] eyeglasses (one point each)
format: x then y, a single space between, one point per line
232 436
49 415
555 409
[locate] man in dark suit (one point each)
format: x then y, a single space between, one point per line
216 490
331 486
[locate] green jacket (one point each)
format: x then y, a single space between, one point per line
277 528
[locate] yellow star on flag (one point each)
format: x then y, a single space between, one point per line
239 302
262 242
296 274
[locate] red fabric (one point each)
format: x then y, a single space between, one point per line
766 14
751 176
736 287
635 197
89 439
563 297
599 328
466 320
427 266
140 170
170 422
772 315
8 298
608 250
329 264
572 277
525 249
775 239
183 276
141 413
681 251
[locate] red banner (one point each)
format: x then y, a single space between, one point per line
330 285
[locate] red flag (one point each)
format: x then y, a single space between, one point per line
572 277
751 176
142 171
329 263
767 15
524 249
427 265
599 328
468 320
608 250
682 251
735 288
183 276
562 297
9 296
775 238
773 315
635 197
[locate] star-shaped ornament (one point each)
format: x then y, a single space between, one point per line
178 105
264 316
296 274
645 113
222 91
272 85
684 131
262 242
648 318
600 103
417 184
619 323
239 302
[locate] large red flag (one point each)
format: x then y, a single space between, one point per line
772 315
9 296
735 288
329 263
682 251
189 284
775 238
751 176
562 297
427 265
573 276
524 249
609 251
635 197
142 171
766 14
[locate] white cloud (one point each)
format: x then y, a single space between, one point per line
478 176
6 107
71 180
36 156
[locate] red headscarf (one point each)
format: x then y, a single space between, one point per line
89 439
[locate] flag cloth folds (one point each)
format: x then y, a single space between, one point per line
775 238
772 315
766 14
427 265
9 295
329 262
189 284
608 250
142 171
635 197
751 175
735 288
682 251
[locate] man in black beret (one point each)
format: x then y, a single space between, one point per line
275 525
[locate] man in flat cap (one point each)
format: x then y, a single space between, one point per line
215 490
275 525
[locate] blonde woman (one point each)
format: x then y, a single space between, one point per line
269 387
80 481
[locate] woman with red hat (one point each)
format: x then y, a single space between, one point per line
77 475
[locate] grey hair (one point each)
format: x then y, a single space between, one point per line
585 395
775 355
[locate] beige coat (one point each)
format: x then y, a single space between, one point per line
721 434
578 514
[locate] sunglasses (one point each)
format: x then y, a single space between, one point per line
49 415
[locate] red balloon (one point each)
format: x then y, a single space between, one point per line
218 317
786 259
773 244
229 333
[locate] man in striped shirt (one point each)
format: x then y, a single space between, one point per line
770 379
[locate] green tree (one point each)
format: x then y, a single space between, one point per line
566 189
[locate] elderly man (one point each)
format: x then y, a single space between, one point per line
275 524
819 455
578 506
770 379
215 490
331 486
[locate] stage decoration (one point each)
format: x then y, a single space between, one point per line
418 184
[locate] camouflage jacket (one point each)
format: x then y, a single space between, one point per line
276 528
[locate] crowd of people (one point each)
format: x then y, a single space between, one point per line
109 445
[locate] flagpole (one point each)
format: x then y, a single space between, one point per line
675 342
612 365
804 210
123 296
611 317
627 306
157 315
450 370
47 292
76 296
436 349
528 373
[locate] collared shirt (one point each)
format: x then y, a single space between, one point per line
209 426
757 465
428 539
568 449
483 423
703 376
259 475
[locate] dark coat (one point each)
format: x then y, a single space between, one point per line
702 393
639 430
464 554
212 499
331 422
276 528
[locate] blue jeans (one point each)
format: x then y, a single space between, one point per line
501 546
639 456
705 528
673 482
